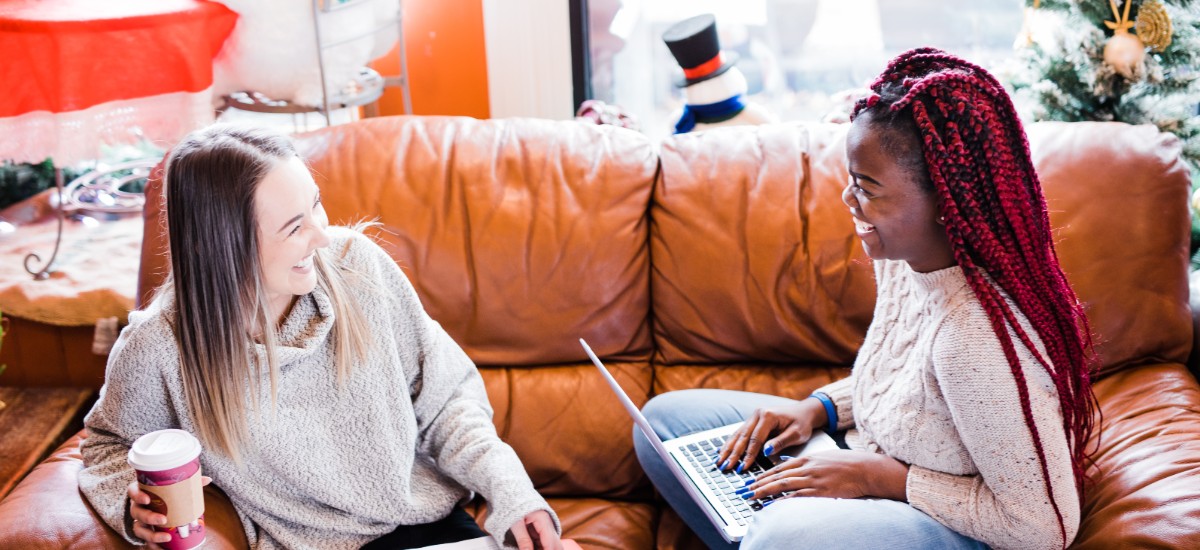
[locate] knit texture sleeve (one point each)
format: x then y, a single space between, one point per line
132 402
1006 504
453 414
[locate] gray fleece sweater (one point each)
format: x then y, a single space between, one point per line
408 437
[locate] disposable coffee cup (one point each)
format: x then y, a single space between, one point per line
167 463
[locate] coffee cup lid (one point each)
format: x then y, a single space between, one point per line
163 450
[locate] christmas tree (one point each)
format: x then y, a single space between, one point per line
1130 61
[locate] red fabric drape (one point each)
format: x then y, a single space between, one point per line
68 55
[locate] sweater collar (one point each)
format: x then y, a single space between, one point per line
304 330
946 280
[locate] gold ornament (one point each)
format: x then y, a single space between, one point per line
1124 52
1154 25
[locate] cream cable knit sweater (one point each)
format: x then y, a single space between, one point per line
408 438
931 388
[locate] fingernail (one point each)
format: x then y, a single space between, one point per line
716 460
161 520
786 457
748 496
768 503
768 450
742 490
740 466
749 481
725 465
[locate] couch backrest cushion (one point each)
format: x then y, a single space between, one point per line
521 236
1117 196
755 258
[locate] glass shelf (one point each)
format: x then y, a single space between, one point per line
365 88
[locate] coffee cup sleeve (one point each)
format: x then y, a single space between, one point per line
181 502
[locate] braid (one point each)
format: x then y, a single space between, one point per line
980 170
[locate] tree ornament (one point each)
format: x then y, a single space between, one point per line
1069 76
1124 52
1154 25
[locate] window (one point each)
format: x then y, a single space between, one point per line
798 56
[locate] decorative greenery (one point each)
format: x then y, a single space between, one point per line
19 181
1062 70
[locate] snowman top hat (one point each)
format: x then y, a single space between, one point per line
694 44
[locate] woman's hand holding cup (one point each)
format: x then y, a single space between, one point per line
769 431
144 518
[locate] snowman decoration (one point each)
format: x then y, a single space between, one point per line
713 87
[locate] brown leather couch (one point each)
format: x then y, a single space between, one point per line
723 259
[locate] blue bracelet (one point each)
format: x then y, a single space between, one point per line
830 411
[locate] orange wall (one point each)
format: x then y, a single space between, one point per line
447 60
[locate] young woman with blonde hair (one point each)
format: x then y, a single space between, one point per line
332 410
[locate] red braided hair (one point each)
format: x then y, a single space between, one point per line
977 163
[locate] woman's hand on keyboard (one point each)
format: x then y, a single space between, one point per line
770 430
836 474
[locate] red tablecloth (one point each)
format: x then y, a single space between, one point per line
69 55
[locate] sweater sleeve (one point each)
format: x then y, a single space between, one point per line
1006 504
453 414
132 402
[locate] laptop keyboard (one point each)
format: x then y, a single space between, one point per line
725 484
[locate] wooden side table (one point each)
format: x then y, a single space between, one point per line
33 422
49 339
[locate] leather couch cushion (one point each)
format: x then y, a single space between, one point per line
787 380
571 433
521 236
755 257
1118 198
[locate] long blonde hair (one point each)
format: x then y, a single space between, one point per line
220 302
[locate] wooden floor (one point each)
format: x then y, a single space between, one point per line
33 422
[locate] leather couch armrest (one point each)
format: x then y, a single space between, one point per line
1142 491
46 510
1193 362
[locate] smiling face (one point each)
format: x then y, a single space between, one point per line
895 214
291 227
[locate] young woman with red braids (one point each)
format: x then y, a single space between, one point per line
969 405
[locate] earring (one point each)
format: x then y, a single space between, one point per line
941 220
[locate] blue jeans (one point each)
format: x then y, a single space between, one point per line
824 523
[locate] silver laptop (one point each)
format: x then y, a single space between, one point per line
691 459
